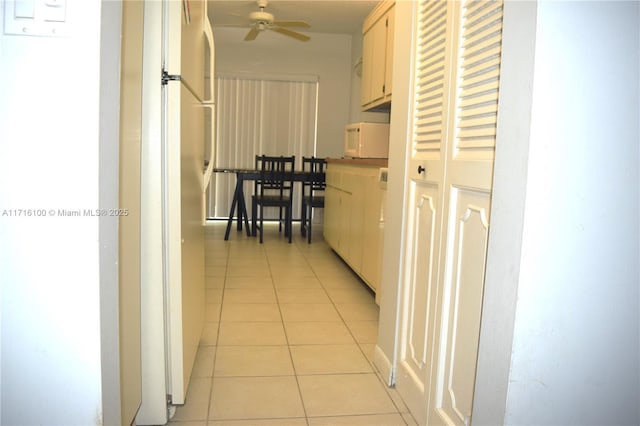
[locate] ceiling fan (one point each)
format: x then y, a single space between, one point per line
261 21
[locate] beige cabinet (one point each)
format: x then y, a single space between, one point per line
353 203
377 56
372 238
337 218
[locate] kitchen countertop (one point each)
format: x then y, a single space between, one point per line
377 162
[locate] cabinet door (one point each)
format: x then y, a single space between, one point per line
372 232
388 74
331 215
374 62
367 58
355 207
338 221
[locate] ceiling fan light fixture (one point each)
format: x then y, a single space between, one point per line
261 16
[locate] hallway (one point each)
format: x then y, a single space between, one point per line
288 340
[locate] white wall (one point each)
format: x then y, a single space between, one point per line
575 349
326 55
51 145
571 356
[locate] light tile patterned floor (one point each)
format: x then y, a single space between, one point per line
289 339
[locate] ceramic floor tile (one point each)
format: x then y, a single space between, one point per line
194 423
409 420
364 331
248 312
359 311
238 361
370 420
212 312
215 271
213 295
245 249
249 282
255 261
197 401
368 349
248 271
286 324
396 398
329 359
209 334
215 259
302 295
251 333
296 282
326 263
342 283
278 251
291 272
260 422
335 273
309 312
255 398
291 267
285 259
214 281
203 365
317 333
350 295
344 394
249 295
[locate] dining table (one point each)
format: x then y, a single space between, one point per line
238 204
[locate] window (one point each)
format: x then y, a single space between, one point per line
271 115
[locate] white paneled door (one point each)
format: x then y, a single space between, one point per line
455 93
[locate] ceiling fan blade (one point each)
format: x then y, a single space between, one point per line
252 34
290 33
300 24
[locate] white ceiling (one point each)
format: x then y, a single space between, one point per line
324 16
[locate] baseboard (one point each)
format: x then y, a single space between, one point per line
384 366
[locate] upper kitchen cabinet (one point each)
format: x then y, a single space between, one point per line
377 56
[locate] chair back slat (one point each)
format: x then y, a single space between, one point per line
312 192
273 188
276 175
315 166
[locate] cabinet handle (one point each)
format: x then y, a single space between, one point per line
421 169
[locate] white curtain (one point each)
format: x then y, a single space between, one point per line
255 116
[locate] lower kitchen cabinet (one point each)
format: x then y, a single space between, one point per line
373 231
352 221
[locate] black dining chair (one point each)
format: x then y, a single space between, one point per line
273 188
312 192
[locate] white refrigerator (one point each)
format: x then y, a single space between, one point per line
178 51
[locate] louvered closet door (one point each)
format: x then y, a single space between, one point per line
454 139
424 209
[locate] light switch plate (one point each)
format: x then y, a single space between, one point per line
43 18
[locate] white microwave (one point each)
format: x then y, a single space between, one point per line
366 140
